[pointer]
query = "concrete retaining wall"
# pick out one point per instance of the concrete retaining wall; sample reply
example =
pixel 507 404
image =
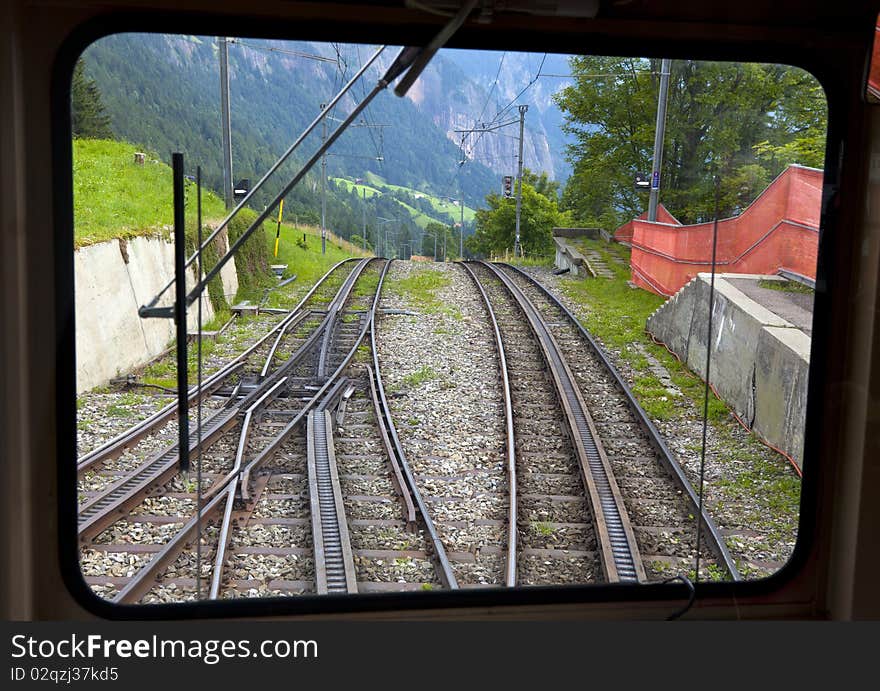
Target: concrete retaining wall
pixel 568 257
pixel 591 233
pixel 112 280
pixel 760 362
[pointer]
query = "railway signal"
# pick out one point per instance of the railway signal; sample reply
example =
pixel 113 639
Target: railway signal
pixel 242 187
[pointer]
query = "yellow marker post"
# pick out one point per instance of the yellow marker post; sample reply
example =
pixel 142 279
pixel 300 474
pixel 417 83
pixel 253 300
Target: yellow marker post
pixel 278 230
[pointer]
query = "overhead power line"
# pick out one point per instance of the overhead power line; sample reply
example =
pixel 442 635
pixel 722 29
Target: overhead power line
pixel 285 51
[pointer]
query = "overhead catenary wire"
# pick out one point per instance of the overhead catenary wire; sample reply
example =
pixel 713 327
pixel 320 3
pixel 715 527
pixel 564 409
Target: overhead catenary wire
pixel 150 309
pixel 284 51
pixel 705 420
pixel 498 115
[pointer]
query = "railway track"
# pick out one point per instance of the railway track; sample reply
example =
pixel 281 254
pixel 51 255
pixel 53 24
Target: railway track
pixel 556 526
pixel 227 376
pixel 136 485
pixel 654 489
pixel 253 523
pixel 307 489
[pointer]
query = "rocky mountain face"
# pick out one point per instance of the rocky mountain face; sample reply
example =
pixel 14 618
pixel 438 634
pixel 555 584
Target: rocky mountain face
pixel 163 92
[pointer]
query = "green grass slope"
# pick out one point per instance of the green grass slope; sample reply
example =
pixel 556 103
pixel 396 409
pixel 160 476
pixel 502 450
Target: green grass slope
pixel 441 206
pixel 113 197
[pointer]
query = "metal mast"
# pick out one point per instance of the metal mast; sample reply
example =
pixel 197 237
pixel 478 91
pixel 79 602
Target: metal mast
pixel 323 186
pixel 517 246
pixel 225 123
pixel 461 230
pixel 659 133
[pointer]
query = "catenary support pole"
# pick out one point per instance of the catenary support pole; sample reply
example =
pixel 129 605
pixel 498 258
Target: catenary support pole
pixel 180 311
pixel 225 123
pixel 659 134
pixel 461 230
pixel 517 246
pixel 323 186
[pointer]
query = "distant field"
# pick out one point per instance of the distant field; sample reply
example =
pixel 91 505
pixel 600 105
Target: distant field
pixel 113 197
pixel 441 206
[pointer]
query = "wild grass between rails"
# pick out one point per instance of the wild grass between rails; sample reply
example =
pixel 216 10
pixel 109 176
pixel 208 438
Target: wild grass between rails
pixel 420 289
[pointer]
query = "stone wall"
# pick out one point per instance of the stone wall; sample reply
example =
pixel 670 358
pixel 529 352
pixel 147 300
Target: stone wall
pixel 112 280
pixel 760 362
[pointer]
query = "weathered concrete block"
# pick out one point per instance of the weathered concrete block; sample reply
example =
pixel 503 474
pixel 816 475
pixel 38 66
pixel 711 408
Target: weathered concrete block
pixel 112 280
pixel 568 257
pixel 591 233
pixel 781 376
pixel 760 362
pixel 737 322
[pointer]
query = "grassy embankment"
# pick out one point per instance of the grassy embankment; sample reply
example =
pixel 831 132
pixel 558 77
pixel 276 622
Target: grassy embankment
pixel 114 198
pixel 616 313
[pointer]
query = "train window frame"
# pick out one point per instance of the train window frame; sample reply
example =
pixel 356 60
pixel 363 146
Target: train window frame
pixel 660 597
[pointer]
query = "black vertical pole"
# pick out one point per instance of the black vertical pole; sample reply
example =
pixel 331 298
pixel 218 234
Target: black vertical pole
pixel 180 310
pixel 199 398
pixel 717 181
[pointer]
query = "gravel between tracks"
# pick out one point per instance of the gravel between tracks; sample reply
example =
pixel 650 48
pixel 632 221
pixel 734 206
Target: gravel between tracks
pixel 441 373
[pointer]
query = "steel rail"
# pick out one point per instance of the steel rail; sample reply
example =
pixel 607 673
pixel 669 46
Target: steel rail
pixel 223 540
pixel 116 446
pixel 716 541
pixel 321 331
pixel 331 320
pixel 270 356
pixel 510 440
pixel 288 429
pixel 618 548
pixel 334 563
pixel 409 509
pixel 143 580
pixel 102 510
pixel 441 560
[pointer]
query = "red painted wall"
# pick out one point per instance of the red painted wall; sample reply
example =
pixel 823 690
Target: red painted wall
pixel 779 230
pixel 625 232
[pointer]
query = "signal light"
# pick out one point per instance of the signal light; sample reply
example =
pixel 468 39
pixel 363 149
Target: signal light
pixel 508 185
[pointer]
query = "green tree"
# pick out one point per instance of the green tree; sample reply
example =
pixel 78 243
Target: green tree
pixel 89 121
pixel 802 118
pixel 739 121
pixel 539 214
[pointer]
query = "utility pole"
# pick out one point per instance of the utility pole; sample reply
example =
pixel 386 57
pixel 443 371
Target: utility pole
pixel 365 218
pixel 435 245
pixel 659 133
pixel 323 186
pixel 517 247
pixel 461 231
pixel 225 123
